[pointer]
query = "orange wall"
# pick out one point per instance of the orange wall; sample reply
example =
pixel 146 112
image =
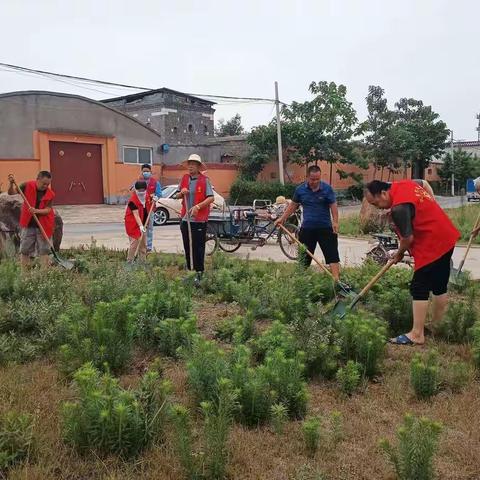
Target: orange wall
pixel 23 169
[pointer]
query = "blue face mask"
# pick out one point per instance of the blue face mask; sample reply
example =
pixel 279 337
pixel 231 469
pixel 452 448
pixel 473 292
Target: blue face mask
pixel 147 175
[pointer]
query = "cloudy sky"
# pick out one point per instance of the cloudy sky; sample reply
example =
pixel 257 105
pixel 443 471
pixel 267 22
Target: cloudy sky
pixel 426 49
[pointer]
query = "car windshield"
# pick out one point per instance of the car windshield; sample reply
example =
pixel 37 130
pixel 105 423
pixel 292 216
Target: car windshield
pixel 167 191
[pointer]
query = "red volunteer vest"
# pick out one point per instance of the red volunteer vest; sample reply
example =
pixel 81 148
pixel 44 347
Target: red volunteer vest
pixel 131 226
pixel 46 221
pixel 200 196
pixel 433 232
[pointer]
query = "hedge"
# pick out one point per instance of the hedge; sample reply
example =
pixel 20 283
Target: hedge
pixel 244 192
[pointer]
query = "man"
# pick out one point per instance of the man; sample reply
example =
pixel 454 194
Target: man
pixel 476 182
pixel 136 215
pixel 197 196
pixel 320 218
pixel 430 236
pixel 40 197
pixel 154 189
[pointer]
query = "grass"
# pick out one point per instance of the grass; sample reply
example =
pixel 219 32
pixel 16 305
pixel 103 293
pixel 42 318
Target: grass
pixel 464 219
pixel 37 387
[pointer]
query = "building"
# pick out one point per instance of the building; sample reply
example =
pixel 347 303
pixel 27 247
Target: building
pixel 177 117
pixel 92 150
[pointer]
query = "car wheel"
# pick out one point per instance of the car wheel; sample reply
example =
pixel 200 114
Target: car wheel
pixel 160 217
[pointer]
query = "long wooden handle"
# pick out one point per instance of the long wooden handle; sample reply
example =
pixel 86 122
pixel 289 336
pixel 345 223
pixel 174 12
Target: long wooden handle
pixel 470 241
pixel 27 203
pixel 311 255
pixel 143 233
pixel 372 282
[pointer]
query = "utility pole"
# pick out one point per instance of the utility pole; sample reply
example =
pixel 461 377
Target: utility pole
pixel 478 128
pixel 453 163
pixel 279 137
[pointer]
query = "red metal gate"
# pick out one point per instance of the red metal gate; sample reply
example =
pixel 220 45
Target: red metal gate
pixel 76 173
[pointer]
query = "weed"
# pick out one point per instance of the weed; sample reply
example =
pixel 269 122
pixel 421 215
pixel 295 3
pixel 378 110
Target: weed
pixel 349 377
pixel 109 419
pixel 417 441
pixel 307 472
pixel 456 376
pixel 424 374
pixel 16 437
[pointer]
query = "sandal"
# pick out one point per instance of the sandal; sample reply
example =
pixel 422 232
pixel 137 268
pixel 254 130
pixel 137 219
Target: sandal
pixel 403 340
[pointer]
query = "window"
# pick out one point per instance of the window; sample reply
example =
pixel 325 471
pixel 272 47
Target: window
pixel 205 129
pixel 429 171
pixel 137 155
pixel 190 128
pixel 175 130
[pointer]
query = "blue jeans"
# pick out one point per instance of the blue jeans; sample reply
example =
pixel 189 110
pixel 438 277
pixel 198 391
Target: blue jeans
pixel 150 234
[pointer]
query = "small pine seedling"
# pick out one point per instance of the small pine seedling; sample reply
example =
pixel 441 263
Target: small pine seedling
pixel 349 377
pixel 311 434
pixel 424 375
pixel 279 415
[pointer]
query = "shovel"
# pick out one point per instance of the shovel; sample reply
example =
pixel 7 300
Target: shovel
pixel 341 308
pixel 66 264
pixel 456 273
pixel 345 289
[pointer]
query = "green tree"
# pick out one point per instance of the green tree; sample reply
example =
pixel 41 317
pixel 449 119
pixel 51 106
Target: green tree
pixel 418 134
pixel 230 127
pixel 465 165
pixel 323 128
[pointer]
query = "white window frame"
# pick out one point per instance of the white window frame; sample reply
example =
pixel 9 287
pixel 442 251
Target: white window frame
pixel 137 148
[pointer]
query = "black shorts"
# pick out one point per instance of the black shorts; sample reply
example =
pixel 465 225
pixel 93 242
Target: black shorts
pixel 431 278
pixel 327 240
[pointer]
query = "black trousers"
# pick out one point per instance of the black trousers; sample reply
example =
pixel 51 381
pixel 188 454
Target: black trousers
pixel 327 240
pixel 199 238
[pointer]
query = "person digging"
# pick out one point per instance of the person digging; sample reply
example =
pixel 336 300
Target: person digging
pixel 196 193
pixel 429 235
pixel 136 216
pixel 38 193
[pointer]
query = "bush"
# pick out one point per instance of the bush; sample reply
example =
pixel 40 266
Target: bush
pixel 105 338
pixel 16 437
pixel 417 445
pixel 311 435
pixel 424 375
pixel 109 419
pixel 457 322
pixel 363 340
pixel 174 333
pixel 276 336
pixel 206 365
pixel 349 377
pixel 244 192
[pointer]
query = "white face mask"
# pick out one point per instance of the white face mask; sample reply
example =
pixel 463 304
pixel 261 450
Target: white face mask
pixel 141 196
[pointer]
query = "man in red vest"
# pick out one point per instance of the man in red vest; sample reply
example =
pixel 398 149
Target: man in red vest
pixel 430 236
pixel 197 195
pixel 136 215
pixel 40 197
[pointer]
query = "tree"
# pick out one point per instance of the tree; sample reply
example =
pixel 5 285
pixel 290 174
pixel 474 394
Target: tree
pixel 320 129
pixel 465 165
pixel 231 127
pixel 419 134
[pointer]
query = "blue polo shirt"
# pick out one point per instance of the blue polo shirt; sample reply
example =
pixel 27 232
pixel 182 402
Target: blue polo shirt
pixel 316 205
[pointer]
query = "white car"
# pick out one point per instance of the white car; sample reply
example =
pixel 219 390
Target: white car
pixel 168 208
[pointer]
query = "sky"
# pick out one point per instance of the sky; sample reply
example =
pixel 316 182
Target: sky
pixel 425 49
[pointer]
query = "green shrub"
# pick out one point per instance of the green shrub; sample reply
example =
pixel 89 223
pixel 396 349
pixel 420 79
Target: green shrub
pixel 417 445
pixel 206 365
pixel 173 333
pixel 16 437
pixel 277 335
pixel 285 378
pixel 311 435
pixel 238 329
pixel 244 192
pixel 349 377
pixel 424 374
pixel 395 307
pixel 457 322
pixel 456 376
pixel 336 428
pixel 218 417
pixel 476 343
pixel 363 340
pixel 105 338
pixel 279 417
pixel 9 273
pixel 109 419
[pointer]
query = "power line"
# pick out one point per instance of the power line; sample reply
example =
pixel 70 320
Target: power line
pixel 45 73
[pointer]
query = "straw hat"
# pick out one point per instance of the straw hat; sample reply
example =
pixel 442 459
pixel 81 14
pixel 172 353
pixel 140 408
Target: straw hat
pixel 197 159
pixel 280 199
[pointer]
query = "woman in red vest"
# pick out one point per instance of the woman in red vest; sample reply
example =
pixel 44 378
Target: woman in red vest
pixel 426 231
pixel 136 215
pixel 197 195
pixel 40 197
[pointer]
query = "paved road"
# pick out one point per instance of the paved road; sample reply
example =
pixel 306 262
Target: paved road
pixel 167 239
